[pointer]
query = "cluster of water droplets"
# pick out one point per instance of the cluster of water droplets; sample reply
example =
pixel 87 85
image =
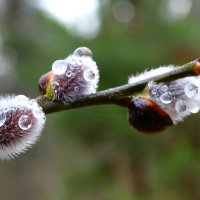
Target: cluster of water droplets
pixel 21 123
pixel 71 64
pixel 74 76
pixel 179 98
pixel 161 92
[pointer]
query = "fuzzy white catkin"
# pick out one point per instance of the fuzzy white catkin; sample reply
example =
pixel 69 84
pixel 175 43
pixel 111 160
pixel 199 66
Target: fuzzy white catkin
pixel 21 123
pixel 151 73
pixel 179 98
pixel 74 76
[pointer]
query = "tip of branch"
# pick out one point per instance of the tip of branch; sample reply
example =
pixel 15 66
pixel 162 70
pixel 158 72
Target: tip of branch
pixel 197 67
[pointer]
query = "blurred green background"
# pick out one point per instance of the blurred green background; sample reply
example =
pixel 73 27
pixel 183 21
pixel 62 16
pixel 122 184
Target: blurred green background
pixel 93 153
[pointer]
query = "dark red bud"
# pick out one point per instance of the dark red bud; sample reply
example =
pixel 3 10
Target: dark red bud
pixel 44 82
pixel 147 117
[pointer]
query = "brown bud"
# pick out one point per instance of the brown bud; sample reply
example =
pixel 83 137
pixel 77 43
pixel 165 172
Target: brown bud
pixel 197 66
pixel 44 82
pixel 147 117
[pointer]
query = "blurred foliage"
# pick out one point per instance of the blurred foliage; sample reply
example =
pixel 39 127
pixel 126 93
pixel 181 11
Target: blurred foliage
pixel 93 153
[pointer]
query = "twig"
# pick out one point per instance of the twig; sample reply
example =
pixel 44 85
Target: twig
pixel 120 95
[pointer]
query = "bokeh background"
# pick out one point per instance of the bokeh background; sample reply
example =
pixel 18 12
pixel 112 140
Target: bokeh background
pixel 93 153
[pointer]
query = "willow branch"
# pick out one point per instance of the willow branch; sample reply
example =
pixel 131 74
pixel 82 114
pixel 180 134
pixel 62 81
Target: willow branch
pixel 122 94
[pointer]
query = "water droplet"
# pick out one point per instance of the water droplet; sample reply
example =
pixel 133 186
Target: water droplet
pixel 166 98
pixel 36 109
pixel 180 106
pixel 69 73
pixel 83 51
pixel 164 88
pixel 154 89
pixel 195 109
pixel 21 98
pixel 191 90
pixel 2 118
pixel 54 85
pixel 76 88
pixel 59 67
pixel 88 75
pixel 25 122
pixel 31 104
pixel 38 113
